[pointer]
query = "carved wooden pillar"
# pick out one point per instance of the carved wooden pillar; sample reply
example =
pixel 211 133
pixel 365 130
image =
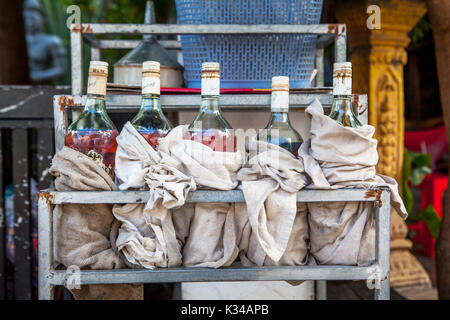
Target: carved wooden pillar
pixel 378 57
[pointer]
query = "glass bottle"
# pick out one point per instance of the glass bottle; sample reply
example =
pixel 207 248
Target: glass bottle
pixel 210 127
pixel 342 110
pixel 279 130
pixel 150 121
pixel 93 133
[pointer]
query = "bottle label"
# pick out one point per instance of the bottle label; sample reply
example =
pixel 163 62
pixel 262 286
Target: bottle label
pixel 210 86
pixel 279 101
pixel 97 83
pixel 151 85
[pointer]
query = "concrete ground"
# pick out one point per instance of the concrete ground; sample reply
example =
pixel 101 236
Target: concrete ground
pixel 357 290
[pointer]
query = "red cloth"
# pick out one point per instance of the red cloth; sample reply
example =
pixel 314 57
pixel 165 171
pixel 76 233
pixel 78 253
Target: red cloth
pixel 434 142
pixel 433 187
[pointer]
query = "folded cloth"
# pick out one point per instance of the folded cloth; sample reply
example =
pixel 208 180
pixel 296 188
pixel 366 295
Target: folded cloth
pixel 342 157
pixel 147 236
pixel 153 236
pixel 82 232
pixel 270 228
pixel 210 240
pixel 209 168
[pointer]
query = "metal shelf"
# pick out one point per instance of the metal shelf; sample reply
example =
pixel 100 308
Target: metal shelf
pixel 49 277
pixel 377 272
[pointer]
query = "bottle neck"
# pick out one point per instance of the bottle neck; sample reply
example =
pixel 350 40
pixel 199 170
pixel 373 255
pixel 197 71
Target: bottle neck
pixel 279 117
pixel 151 103
pixel 95 104
pixel 342 111
pixel 342 103
pixel 210 104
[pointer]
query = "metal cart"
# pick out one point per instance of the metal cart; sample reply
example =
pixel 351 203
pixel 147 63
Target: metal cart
pixel 377 274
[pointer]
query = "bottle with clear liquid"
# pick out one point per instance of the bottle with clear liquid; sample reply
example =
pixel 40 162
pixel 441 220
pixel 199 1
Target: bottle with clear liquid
pixel 210 126
pixel 150 121
pixel 93 133
pixel 342 108
pixel 279 130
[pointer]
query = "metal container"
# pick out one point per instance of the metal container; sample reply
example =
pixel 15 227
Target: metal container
pixel 128 70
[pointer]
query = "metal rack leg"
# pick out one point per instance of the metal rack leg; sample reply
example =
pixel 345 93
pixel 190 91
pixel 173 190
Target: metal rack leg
pixel 321 290
pixel 45 234
pixel 384 292
pixel 382 245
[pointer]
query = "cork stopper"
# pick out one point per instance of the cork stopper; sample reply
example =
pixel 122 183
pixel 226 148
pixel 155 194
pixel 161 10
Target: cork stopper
pixel 280 94
pixel 98 77
pixel 151 82
pixel 342 78
pixel 210 78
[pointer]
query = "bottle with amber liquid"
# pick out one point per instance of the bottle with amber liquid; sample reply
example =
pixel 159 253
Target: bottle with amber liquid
pixel 279 130
pixel 93 133
pixel 150 121
pixel 210 126
pixel 342 109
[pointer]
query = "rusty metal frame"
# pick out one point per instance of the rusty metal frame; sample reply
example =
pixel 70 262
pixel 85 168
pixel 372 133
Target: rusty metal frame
pixel 377 274
pixel 80 33
pixel 65 104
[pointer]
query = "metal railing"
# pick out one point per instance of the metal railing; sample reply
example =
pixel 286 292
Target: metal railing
pixel 26 149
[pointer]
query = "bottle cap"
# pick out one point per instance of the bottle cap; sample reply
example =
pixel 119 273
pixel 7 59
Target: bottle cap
pixel 210 78
pixel 280 84
pixel 280 94
pixel 150 68
pixel 210 67
pixel 98 68
pixel 342 78
pixel 98 77
pixel 151 83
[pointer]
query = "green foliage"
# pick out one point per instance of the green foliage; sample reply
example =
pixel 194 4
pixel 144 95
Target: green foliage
pixel 100 11
pixel 419 31
pixel 119 11
pixel 416 166
pixel 431 219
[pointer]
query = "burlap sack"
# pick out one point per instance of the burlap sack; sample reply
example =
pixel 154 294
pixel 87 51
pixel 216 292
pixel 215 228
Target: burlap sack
pixel 342 157
pixel 271 228
pixel 147 237
pixel 211 239
pixel 82 232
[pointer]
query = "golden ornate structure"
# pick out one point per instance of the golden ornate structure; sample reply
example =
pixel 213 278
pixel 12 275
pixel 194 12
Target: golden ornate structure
pixel 378 57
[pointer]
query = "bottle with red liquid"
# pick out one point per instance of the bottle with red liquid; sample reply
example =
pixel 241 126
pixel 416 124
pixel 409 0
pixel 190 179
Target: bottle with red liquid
pixel 279 130
pixel 210 126
pixel 93 133
pixel 150 121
